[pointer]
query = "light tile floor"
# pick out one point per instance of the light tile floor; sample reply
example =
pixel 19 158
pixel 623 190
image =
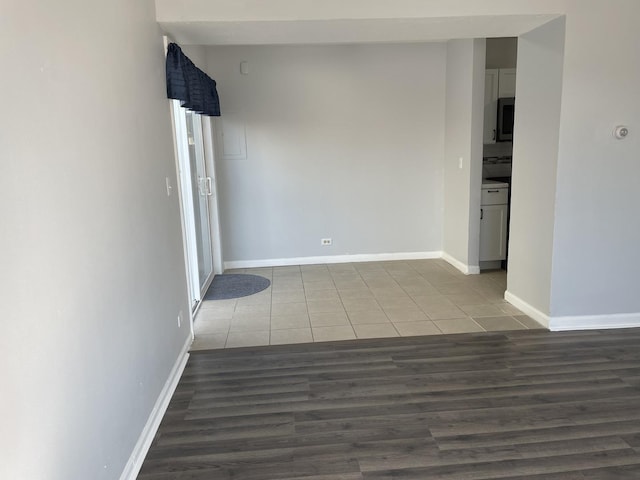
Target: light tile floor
pixel 316 303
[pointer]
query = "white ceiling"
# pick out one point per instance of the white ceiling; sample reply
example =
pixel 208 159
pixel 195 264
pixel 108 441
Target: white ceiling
pixel 386 30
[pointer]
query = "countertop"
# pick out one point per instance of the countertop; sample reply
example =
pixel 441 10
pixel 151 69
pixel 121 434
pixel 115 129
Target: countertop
pixel 494 184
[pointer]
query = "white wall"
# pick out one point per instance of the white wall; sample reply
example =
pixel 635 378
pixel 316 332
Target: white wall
pixel 597 224
pixel 342 141
pixel 292 10
pixel 535 159
pixel 91 251
pixel 463 140
pixel 196 53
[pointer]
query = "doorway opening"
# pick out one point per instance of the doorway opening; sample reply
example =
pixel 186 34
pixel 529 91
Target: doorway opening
pixel 497 153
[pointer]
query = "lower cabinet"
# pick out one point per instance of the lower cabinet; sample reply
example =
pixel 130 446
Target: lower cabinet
pixel 493 232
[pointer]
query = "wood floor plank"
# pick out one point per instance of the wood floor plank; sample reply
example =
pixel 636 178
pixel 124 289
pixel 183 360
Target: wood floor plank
pixel 537 435
pixel 527 405
pixel 543 450
pixel 498 469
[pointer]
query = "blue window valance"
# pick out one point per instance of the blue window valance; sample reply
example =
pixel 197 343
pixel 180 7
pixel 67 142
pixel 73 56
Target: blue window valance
pixel 185 82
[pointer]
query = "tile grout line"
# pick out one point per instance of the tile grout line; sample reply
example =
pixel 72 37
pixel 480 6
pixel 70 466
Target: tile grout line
pixel 270 305
pixel 306 300
pixel 346 314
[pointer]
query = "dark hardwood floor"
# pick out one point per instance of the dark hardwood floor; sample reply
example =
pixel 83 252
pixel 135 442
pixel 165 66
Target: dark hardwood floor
pixel 521 405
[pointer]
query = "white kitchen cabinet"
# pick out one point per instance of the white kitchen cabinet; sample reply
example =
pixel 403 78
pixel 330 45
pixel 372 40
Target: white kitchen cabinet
pixel 498 83
pixel 507 82
pixel 493 222
pixel 493 233
pixel 490 105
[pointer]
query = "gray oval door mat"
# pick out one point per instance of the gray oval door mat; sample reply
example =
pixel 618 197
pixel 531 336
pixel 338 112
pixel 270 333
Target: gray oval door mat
pixel 235 285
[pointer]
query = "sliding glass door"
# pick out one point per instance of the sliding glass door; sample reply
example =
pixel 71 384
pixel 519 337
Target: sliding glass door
pixel 200 191
pixel 195 188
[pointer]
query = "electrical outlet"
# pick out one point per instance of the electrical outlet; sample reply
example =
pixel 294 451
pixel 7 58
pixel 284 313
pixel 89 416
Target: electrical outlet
pixel 179 318
pixel 326 242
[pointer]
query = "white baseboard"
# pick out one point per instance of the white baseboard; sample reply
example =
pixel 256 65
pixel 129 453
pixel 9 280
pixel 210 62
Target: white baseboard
pixel 575 322
pixel 463 267
pixel 373 257
pixel 534 313
pixel 134 464
pixel 594 322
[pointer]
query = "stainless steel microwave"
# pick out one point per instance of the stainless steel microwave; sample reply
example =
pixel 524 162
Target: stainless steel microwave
pixel 506 109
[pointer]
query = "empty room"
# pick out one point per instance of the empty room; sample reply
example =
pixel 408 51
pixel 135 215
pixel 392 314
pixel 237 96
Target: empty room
pixel 287 240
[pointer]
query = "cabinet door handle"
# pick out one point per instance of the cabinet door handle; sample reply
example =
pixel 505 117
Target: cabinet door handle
pixel 494 133
pixel 493 191
pixel 481 213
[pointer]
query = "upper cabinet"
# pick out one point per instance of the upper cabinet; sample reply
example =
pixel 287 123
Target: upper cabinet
pixel 507 82
pixel 498 83
pixel 490 105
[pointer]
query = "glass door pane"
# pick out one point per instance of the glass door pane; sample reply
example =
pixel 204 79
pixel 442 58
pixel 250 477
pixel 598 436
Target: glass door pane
pixel 200 192
pixel 195 191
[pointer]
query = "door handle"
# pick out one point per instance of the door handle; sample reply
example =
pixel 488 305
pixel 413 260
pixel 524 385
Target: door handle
pixel 209 187
pixel 494 133
pixel 481 213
